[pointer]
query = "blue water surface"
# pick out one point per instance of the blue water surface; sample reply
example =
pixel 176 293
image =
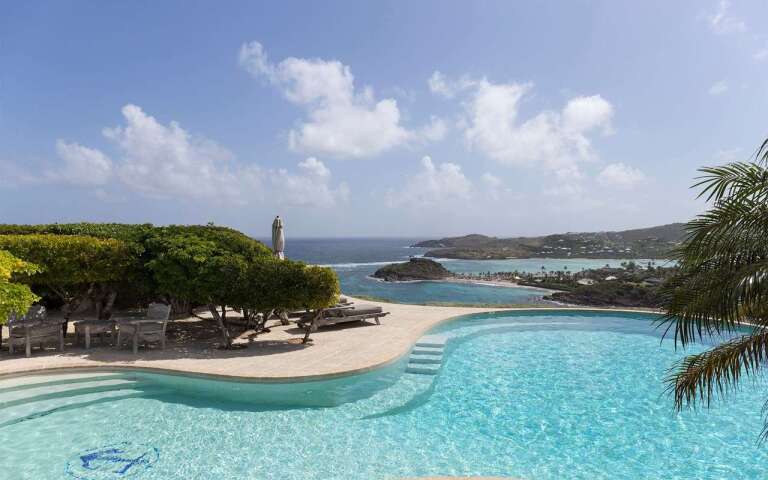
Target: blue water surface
pixel 537 396
pixel 355 260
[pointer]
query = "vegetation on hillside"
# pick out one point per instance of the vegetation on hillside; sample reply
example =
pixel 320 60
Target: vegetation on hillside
pixel 722 286
pixel 633 286
pixel 654 242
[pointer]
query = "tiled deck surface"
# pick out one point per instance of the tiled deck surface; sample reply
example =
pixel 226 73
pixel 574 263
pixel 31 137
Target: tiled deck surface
pixel 276 356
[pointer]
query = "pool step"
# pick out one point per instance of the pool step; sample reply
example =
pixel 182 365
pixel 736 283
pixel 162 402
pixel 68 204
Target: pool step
pixel 426 358
pixel 427 351
pixel 437 341
pixel 30 411
pixel 36 381
pixel 410 391
pixel 35 396
pixel 427 355
pixel 423 369
pixel 42 391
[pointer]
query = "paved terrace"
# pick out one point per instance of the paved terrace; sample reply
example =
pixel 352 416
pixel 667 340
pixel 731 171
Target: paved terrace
pixel 277 356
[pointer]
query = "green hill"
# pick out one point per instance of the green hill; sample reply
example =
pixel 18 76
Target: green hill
pixel 653 242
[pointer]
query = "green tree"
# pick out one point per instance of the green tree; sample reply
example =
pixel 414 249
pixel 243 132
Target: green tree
pixel 722 284
pixel 14 297
pixel 225 271
pixel 74 268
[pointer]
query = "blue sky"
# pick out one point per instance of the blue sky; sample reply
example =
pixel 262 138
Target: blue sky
pixel 375 118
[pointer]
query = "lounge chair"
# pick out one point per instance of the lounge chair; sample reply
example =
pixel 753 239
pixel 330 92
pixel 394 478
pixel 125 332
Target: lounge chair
pixel 150 328
pixel 344 314
pixel 34 327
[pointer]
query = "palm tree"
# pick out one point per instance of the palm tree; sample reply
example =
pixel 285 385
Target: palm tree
pixel 722 287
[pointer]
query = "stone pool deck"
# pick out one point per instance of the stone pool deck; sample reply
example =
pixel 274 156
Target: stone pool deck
pixel 277 356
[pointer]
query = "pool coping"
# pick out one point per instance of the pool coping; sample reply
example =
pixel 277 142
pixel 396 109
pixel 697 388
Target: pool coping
pixel 57 364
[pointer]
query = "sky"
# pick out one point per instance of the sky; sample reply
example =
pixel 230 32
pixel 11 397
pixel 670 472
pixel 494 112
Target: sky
pixel 415 119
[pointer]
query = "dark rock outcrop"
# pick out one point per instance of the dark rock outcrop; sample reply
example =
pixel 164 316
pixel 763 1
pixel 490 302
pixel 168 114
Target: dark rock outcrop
pixel 414 269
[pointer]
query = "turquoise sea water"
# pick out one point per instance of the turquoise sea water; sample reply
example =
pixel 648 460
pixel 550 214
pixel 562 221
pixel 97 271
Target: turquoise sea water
pixel 534 396
pixel 356 259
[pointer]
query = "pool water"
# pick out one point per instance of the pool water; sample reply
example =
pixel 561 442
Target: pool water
pixel 533 396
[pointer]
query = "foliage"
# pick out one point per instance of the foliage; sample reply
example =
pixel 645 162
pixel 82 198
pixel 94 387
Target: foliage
pixel 219 268
pixel 286 285
pixel 71 265
pixel 722 287
pixel 197 264
pixel 14 297
pixel 189 265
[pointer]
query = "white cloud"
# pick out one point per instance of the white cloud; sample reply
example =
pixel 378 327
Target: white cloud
pixel 310 187
pixel 315 168
pixel 491 180
pixel 555 140
pixel 441 85
pixel 721 21
pixel 164 161
pixel 341 121
pixel 492 185
pixel 620 175
pixel 760 55
pixel 80 166
pixel 433 184
pixel 438 84
pixel 584 114
pixel 718 88
pixel 435 130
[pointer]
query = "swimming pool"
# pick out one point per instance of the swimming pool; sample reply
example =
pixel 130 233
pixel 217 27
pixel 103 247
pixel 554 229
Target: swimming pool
pixel 528 395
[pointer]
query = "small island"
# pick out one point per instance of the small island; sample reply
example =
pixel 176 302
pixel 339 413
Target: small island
pixel 413 269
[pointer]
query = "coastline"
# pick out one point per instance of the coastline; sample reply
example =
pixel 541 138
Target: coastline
pixel 487 283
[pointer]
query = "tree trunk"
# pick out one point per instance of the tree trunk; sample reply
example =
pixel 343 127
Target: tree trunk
pixel 221 320
pixel 108 305
pixel 311 327
pixel 180 306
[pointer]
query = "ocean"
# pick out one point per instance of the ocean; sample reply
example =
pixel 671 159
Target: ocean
pixel 355 259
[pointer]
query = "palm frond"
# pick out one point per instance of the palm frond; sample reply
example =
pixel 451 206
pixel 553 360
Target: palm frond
pixel 699 378
pixel 723 279
pixel 736 180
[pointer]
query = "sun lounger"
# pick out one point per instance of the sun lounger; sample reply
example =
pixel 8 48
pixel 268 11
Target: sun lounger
pixel 345 314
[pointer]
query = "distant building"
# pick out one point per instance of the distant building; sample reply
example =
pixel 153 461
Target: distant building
pixel 610 278
pixel 585 281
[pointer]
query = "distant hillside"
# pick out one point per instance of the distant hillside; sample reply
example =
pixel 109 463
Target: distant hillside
pixel 653 242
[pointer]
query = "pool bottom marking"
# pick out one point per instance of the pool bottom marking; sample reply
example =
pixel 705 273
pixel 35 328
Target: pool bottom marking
pixel 120 460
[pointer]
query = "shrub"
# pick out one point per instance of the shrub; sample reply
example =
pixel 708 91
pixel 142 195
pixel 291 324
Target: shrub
pixel 14 297
pixel 75 268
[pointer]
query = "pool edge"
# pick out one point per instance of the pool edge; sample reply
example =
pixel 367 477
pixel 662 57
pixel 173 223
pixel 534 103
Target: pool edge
pixel 63 369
